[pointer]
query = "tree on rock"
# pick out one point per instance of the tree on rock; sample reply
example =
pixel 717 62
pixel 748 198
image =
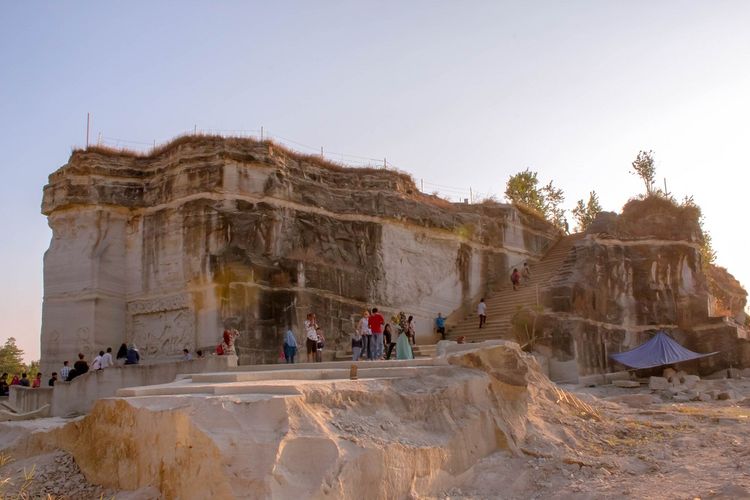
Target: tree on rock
pixel 11 357
pixel 585 213
pixel 643 167
pixel 522 189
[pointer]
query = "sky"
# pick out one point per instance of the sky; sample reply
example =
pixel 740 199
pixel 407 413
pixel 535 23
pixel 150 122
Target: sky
pixel 459 94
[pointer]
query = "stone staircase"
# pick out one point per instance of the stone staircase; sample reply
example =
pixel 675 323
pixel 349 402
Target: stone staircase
pixel 503 303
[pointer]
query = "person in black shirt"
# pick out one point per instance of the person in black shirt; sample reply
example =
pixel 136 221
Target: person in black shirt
pixel 79 367
pixel 52 381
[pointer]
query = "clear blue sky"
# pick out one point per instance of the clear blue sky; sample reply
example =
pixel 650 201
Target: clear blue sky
pixel 460 94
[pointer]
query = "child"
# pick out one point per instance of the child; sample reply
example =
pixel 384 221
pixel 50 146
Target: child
pixel 321 344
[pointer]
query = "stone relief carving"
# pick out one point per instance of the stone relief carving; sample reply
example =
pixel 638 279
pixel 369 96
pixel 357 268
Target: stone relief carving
pixel 168 303
pixel 162 326
pixel 163 333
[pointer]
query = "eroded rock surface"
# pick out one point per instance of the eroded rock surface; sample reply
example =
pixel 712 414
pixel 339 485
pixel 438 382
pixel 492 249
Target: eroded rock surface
pixel 382 437
pixel 167 250
pixel 634 274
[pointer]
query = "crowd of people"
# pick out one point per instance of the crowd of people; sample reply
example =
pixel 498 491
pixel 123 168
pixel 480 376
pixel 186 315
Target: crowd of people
pixel 373 338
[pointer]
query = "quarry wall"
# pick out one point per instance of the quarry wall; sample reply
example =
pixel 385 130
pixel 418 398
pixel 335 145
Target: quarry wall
pixel 634 274
pixel 211 233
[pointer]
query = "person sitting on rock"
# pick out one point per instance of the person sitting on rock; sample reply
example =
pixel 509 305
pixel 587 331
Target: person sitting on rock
pixel 122 353
pixel 186 356
pixel 133 357
pixel 79 367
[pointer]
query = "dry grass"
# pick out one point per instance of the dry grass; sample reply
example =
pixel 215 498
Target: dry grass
pixel 246 142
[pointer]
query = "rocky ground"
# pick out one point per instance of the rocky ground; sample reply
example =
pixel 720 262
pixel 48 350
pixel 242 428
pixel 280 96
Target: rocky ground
pixel 645 448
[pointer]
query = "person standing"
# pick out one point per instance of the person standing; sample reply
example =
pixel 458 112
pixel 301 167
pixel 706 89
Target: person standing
pixel 321 344
pixel 376 322
pixel 356 344
pixel 52 381
pixel 482 312
pixel 24 382
pixel 37 382
pixel 388 339
pixel 311 337
pixel 4 390
pixel 411 331
pixel 290 346
pixel 515 278
pixel 403 349
pixel 65 371
pixel 364 330
pixel 526 272
pixel 440 325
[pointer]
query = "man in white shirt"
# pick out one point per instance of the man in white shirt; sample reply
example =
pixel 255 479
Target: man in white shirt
pixel 97 364
pixel 482 312
pixel 107 360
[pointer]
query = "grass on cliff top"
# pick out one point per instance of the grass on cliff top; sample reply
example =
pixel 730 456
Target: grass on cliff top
pixel 212 139
pixel 315 160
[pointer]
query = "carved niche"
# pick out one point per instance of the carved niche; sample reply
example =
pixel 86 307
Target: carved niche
pixel 162 326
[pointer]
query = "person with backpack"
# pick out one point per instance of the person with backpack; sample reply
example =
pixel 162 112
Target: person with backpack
pixel 290 346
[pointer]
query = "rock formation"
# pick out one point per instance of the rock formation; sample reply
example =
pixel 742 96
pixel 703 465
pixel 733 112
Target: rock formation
pixel 410 433
pixel 638 272
pixel 168 249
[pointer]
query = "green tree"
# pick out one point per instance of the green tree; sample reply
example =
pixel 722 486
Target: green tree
pixel 11 358
pixel 585 213
pixel 707 249
pixel 643 167
pixel 523 189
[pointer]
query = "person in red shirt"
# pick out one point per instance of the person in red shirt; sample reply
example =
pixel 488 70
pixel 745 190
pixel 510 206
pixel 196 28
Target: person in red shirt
pixel 376 322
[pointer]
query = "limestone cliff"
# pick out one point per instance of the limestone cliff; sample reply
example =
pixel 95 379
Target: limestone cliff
pixel 167 249
pixel 638 272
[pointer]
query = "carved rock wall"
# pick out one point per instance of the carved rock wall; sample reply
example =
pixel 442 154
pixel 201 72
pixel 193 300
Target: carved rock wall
pixel 625 280
pixel 208 233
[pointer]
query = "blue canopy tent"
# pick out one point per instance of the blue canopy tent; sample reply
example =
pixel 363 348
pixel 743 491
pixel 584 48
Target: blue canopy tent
pixel 660 350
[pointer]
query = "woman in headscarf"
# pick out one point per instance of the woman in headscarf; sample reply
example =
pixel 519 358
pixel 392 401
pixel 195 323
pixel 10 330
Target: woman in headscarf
pixel 122 353
pixel 290 346
pixel 403 349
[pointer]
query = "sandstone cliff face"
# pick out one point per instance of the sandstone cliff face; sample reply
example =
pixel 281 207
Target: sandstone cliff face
pixel 634 274
pixel 167 250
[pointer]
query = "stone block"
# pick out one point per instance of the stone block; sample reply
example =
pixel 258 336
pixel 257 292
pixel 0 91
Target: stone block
pixel 704 396
pixel 691 381
pixel 681 398
pixel 724 395
pixel 658 383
